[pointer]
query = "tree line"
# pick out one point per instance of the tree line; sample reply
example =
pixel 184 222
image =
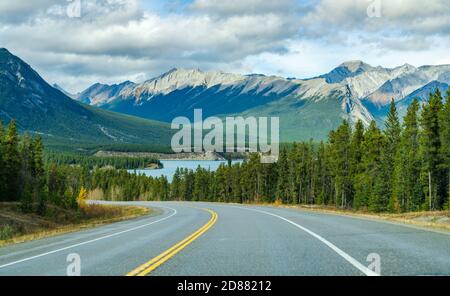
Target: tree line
pixel 403 167
pixel 91 162
pixel 400 168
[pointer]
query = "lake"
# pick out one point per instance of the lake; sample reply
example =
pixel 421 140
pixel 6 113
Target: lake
pixel 170 167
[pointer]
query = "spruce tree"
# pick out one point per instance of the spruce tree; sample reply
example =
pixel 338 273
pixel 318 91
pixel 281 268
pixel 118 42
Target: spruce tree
pixel 12 163
pixel 445 143
pixel 2 164
pixel 356 152
pixel 407 190
pixel 365 182
pixel 392 132
pixel 341 160
pixel 39 176
pixel 26 173
pixel 430 150
pixel 283 177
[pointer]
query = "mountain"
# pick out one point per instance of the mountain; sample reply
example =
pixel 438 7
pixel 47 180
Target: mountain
pixel 307 107
pixel 346 70
pixel 421 94
pixel 42 109
pixel 100 94
pixel 58 87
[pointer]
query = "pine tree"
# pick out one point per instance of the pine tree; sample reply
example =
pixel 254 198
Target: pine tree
pixel 26 177
pixel 283 177
pixel 2 164
pixel 407 190
pixel 12 163
pixel 430 148
pixel 392 132
pixel 176 185
pixel 39 176
pixel 445 143
pixel 356 152
pixel 341 159
pixel 365 182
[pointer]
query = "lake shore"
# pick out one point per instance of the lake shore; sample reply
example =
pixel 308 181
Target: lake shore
pixel 211 156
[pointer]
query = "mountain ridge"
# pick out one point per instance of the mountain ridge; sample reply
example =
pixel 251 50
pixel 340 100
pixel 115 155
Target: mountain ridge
pixel 360 92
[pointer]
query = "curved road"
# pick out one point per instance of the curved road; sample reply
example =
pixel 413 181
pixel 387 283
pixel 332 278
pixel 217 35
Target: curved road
pixel 185 239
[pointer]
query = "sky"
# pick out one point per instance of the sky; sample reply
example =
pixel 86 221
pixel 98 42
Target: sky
pixel 76 43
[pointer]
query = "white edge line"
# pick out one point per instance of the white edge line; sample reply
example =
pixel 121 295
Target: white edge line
pixel 341 253
pixel 90 241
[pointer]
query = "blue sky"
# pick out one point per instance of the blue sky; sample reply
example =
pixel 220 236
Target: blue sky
pixel 116 40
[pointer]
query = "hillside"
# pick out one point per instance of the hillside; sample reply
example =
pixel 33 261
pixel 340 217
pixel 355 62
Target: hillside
pixel 42 109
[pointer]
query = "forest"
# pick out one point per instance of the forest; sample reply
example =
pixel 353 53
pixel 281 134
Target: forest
pixel 401 167
pixel 91 162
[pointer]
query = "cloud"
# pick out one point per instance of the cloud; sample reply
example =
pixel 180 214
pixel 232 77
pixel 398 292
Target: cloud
pixel 239 7
pixel 401 16
pixel 131 39
pixel 19 11
pixel 116 35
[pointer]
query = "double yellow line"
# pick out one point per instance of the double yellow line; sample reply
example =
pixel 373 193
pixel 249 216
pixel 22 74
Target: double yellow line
pixel 151 265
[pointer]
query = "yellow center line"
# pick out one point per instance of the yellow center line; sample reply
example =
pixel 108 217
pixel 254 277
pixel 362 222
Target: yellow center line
pixel 154 263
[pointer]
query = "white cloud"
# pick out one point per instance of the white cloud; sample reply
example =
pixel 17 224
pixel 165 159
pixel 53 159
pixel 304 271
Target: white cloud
pixel 115 40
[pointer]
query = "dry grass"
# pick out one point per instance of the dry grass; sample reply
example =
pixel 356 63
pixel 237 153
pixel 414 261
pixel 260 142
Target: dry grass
pixel 17 227
pixel 435 219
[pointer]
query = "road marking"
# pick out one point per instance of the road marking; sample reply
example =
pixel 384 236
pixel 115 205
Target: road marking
pixel 154 263
pixel 341 253
pixel 90 241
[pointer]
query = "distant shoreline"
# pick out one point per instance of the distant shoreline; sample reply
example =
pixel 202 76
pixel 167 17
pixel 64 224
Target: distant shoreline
pixel 207 156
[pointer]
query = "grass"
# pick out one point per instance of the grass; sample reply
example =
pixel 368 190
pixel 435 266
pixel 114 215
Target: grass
pixel 18 227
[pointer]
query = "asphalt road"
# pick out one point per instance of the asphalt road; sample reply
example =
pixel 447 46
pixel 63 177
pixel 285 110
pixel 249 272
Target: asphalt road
pixel 186 239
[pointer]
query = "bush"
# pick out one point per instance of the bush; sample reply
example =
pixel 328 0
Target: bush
pixel 6 232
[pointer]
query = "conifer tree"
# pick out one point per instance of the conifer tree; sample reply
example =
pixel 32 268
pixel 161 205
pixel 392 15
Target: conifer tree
pixel 283 177
pixel 39 175
pixel 12 163
pixel 356 152
pixel 341 159
pixel 407 190
pixel 445 143
pixel 2 164
pixel 430 150
pixel 392 132
pixel 365 190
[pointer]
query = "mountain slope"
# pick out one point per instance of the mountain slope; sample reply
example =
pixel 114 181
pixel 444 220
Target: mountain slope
pixel 422 94
pixel 306 107
pixel 41 109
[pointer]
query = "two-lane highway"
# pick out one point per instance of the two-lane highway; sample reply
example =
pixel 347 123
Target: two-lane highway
pixel 221 239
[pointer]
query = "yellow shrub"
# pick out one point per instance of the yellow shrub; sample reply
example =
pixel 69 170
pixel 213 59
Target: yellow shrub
pixel 82 197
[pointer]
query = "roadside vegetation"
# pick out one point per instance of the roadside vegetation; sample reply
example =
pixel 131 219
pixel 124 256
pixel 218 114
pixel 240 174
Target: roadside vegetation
pixel 17 226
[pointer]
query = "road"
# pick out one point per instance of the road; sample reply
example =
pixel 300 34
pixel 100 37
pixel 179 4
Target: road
pixel 219 239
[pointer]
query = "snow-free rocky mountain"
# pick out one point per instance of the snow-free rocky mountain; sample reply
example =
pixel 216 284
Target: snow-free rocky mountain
pixel 306 107
pixel 42 109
